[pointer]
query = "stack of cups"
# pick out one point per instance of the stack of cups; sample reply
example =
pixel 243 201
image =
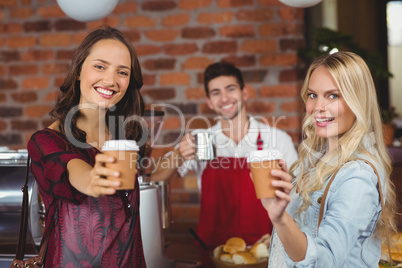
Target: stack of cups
pixel 261 163
pixel 125 152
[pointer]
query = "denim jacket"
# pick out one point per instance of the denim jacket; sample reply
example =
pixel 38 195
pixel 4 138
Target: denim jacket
pixel 345 237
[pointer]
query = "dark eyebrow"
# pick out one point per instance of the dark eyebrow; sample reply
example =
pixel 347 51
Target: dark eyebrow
pixel 108 63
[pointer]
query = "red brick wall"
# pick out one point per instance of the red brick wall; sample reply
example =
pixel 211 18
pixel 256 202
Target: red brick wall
pixel 175 41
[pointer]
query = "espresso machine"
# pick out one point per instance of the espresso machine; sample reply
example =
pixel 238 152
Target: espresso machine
pixel 154 202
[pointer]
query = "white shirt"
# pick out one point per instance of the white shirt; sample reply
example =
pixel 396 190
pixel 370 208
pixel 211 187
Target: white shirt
pixel 273 138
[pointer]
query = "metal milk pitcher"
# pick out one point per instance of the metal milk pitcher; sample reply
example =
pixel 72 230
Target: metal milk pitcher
pixel 205 149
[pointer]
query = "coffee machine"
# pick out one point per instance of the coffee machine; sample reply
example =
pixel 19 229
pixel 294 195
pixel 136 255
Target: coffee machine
pixel 154 198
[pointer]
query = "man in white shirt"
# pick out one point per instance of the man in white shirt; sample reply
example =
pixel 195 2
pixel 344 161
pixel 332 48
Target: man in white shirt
pixel 229 206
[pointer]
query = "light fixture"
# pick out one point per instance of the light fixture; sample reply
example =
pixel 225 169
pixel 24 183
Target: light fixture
pixel 300 3
pixel 87 10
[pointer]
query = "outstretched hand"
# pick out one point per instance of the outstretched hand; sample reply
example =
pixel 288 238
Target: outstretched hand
pixel 98 184
pixel 276 206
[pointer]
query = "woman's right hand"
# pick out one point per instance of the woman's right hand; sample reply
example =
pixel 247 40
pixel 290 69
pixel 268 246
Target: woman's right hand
pixel 98 184
pixel 276 206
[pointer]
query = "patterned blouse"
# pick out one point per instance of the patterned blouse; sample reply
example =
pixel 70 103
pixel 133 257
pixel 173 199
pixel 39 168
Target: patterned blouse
pixel 85 231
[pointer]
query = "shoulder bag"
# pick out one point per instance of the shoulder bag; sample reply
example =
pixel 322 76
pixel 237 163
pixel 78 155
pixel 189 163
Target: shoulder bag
pixel 19 261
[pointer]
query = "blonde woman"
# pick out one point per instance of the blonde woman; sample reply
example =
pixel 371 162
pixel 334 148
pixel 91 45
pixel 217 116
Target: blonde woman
pixel 342 123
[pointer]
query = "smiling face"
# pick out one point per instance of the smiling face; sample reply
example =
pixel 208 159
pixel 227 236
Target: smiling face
pixel 331 115
pixel 105 73
pixel 226 97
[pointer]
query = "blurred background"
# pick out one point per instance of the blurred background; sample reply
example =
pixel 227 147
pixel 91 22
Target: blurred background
pixel 175 40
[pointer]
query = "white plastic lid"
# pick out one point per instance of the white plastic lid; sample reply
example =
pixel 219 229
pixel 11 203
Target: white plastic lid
pixel 264 155
pixel 120 145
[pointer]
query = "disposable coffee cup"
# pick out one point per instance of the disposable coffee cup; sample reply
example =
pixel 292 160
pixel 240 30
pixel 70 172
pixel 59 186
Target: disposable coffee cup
pixel 125 152
pixel 205 149
pixel 261 163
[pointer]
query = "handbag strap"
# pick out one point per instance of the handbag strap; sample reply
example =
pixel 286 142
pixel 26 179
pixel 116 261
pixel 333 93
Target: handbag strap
pixel 324 197
pixel 24 222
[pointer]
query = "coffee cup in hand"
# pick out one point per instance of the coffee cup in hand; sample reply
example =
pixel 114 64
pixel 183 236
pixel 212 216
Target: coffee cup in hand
pixel 125 152
pixel 261 163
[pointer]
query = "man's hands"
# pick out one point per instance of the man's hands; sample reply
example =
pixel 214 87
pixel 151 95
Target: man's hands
pixel 187 147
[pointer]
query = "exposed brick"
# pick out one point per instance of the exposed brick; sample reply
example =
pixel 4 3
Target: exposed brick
pixel 55 40
pixel 171 138
pixel 158 5
pixel 69 25
pixel 279 91
pixel 200 122
pixel 21 41
pixel 187 108
pixel 159 64
pixel 279 29
pixel 26 69
pixel 174 79
pixel 52 96
pixel 290 76
pixel 50 12
pixel 10 139
pixel 64 54
pixel 129 7
pixel 53 68
pixel 176 20
pixel 6 84
pixel 10 112
pixel 293 106
pixel 3 97
pixel 8 3
pixel 35 83
pixel 251 91
pixel 290 13
pixel 180 49
pixel 37 111
pixel 172 123
pixel 234 3
pixel 254 76
pixel 291 44
pixel 162 35
pixel 21 13
pixel 204 109
pixel 278 60
pixel 259 46
pixel 143 50
pixel 149 79
pixel 3 126
pixel 26 2
pixel 197 32
pixel 37 55
pixel 197 63
pixel 269 3
pixel 241 61
pixel 220 47
pixel 112 21
pixel 194 4
pixel 237 31
pixel 160 93
pixel 58 81
pixel 47 122
pixel 133 35
pixel 9 56
pixel 192 212
pixel 195 93
pixel 3 70
pixel 259 107
pixel 10 28
pixel 24 125
pixel 256 15
pixel 213 18
pixel 79 37
pixel 37 26
pixel 140 21
pixel 24 97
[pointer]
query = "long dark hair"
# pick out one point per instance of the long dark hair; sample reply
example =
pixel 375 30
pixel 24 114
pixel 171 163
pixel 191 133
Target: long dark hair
pixel 131 105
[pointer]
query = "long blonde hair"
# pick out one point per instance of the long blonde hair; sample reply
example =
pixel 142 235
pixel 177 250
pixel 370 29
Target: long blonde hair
pixel 356 85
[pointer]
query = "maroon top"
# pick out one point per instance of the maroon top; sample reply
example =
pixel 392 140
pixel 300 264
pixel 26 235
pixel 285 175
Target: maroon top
pixel 87 231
